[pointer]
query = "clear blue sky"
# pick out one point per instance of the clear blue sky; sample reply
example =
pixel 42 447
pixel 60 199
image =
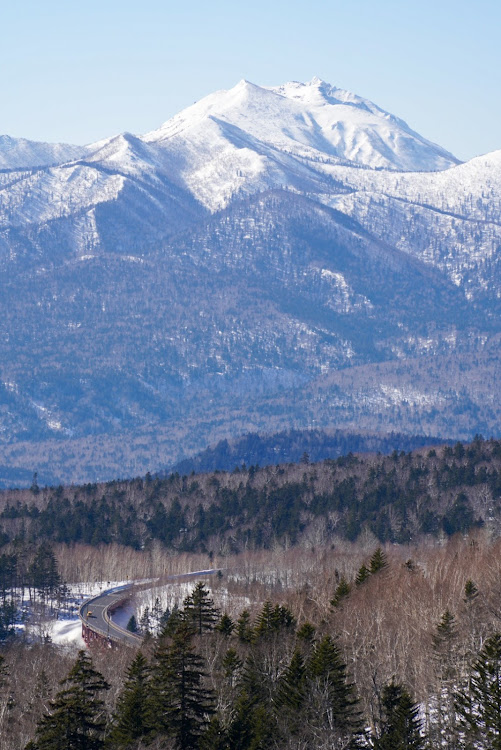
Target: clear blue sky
pixel 79 72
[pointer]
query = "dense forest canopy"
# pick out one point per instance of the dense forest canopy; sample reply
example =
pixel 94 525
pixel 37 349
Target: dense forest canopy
pixel 289 446
pixel 396 498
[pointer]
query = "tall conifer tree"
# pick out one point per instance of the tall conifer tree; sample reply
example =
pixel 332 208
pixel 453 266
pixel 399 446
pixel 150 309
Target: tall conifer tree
pixel 479 705
pixel 199 609
pixel 181 704
pixel 378 561
pixel 400 727
pixel 131 718
pixel 76 719
pixel 334 699
pixel 443 729
pixel 342 591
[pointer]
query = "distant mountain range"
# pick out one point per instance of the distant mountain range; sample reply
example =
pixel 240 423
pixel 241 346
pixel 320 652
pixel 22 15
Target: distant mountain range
pixel 270 258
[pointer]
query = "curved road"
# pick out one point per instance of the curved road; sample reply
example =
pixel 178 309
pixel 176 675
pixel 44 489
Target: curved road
pixel 95 612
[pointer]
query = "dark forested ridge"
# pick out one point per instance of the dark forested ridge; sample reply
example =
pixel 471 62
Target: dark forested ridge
pixel 289 446
pixel 397 498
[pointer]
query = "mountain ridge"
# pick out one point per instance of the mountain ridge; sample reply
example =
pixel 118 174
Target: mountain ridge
pixel 232 270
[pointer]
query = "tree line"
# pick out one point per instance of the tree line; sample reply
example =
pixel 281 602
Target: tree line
pixel 397 498
pixel 31 570
pixel 210 682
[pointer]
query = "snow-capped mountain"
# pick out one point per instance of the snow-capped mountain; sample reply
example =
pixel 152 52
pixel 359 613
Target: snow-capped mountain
pixel 313 120
pixel 19 153
pixel 218 272
pixel 230 144
pixel 252 138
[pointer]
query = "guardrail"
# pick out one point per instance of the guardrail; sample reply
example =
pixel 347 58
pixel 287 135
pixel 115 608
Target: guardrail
pixel 111 632
pixel 107 611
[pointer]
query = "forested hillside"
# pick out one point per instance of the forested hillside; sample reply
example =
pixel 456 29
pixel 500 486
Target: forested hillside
pixel 289 446
pixel 396 498
pixel 359 647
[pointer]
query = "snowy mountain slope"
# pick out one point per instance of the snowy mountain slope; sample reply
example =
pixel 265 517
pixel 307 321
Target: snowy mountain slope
pixel 110 201
pixel 234 137
pixel 324 264
pixel 449 219
pixel 203 274
pixel 230 144
pixel 362 132
pixel 470 190
pixel 19 153
pixel 248 302
pixel 313 119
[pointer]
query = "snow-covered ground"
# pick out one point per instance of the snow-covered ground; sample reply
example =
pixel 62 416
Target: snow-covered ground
pixel 64 632
pixel 64 628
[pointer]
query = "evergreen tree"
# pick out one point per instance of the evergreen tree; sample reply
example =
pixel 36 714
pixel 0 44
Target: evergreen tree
pixel 4 672
pixel 335 703
pixel 5 697
pixel 132 624
pixel 244 627
pixel 443 645
pixel 181 705
pixel 76 719
pixel 443 724
pixel 479 706
pixel 291 695
pixel 306 634
pixel 254 680
pixel 229 685
pixel 252 725
pixel 145 622
pixel 283 617
pixel 378 561
pixel 472 615
pixel 225 626
pixel 265 622
pixel 362 575
pixel 199 609
pixel 156 615
pixel 342 591
pixel 215 737
pixel 164 618
pixel 400 727
pixel 272 619
pixel 8 576
pixel 232 665
pixel 131 718
pixel 470 592
pixel 172 622
pixel 35 489
pixel 8 616
pixel 44 574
